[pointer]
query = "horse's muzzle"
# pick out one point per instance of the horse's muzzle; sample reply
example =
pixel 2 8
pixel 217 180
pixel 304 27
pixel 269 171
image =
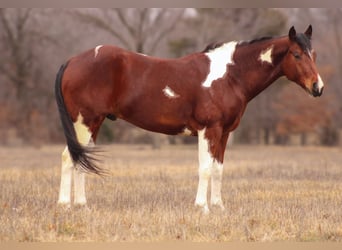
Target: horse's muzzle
pixel 317 90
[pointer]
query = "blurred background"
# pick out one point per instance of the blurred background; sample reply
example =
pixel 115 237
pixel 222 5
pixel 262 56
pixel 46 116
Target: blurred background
pixel 35 42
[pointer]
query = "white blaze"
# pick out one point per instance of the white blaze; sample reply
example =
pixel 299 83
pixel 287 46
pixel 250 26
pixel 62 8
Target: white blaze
pixel 266 55
pixel 320 83
pixel 219 59
pixel 168 92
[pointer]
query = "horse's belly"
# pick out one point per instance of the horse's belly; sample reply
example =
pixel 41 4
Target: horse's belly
pixel 157 113
pixel 159 125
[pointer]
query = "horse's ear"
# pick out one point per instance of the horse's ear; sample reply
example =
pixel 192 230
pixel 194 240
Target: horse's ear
pixel 308 32
pixel 292 34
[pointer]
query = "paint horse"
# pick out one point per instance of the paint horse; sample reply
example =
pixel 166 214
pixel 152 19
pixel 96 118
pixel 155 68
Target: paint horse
pixel 202 94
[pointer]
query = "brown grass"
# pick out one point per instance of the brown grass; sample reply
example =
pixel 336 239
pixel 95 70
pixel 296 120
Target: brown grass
pixel 270 193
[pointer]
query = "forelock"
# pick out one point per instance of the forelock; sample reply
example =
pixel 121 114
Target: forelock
pixel 304 42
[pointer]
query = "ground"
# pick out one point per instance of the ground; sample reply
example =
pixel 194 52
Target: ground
pixel 270 194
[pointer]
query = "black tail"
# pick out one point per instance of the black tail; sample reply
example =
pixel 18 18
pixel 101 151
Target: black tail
pixel 83 156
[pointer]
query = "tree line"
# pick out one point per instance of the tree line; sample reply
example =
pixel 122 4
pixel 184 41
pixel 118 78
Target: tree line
pixel 35 42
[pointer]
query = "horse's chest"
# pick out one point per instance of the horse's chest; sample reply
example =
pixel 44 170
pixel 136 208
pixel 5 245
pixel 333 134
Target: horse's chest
pixel 213 110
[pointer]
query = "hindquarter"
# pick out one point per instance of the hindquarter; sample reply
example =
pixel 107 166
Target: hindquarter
pixel 87 86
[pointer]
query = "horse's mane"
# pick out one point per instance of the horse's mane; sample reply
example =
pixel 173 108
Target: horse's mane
pixel 303 41
pixel 215 45
pixel 257 40
pixel 212 46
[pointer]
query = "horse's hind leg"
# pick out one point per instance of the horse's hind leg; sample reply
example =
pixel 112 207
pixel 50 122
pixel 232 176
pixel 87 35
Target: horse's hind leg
pixel 79 183
pixel 86 135
pixel 68 170
pixel 66 173
pixel 79 187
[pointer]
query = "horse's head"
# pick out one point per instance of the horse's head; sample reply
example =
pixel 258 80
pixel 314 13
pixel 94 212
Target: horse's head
pixel 299 63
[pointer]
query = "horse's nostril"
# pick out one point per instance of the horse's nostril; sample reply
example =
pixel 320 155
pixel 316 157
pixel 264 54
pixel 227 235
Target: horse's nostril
pixel 316 90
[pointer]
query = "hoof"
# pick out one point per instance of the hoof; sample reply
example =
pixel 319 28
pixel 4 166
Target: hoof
pixel 203 208
pixel 64 205
pixel 218 206
pixel 81 206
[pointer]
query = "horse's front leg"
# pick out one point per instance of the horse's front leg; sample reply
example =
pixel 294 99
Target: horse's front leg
pixel 216 184
pixel 217 171
pixel 208 144
pixel 204 171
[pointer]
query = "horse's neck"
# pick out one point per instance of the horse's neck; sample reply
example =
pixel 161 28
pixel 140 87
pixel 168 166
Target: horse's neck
pixel 256 75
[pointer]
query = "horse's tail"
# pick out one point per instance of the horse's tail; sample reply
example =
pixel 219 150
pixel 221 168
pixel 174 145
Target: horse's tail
pixel 81 155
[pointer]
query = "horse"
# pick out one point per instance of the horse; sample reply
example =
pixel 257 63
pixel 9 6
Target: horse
pixel 202 94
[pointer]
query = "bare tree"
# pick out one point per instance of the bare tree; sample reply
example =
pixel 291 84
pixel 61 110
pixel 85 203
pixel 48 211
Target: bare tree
pixel 16 59
pixel 205 26
pixel 139 30
pixel 23 71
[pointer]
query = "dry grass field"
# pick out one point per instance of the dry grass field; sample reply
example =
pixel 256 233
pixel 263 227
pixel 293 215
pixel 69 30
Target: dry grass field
pixel 270 194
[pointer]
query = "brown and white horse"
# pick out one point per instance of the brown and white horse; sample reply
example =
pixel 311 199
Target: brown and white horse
pixel 202 94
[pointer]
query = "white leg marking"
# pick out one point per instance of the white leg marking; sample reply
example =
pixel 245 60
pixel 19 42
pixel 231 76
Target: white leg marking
pixel 205 168
pixel 266 55
pixel 168 92
pixel 79 184
pixel 216 183
pixel 79 187
pixel 97 50
pixel 66 173
pixel 84 137
pixel 219 59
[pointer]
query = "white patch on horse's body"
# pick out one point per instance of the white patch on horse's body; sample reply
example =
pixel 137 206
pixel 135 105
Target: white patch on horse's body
pixel 219 59
pixel 97 49
pixel 266 55
pixel 82 131
pixel 168 92
pixel 186 132
pixel 205 168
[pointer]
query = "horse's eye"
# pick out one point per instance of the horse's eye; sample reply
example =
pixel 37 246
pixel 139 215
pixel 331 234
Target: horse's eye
pixel 296 55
